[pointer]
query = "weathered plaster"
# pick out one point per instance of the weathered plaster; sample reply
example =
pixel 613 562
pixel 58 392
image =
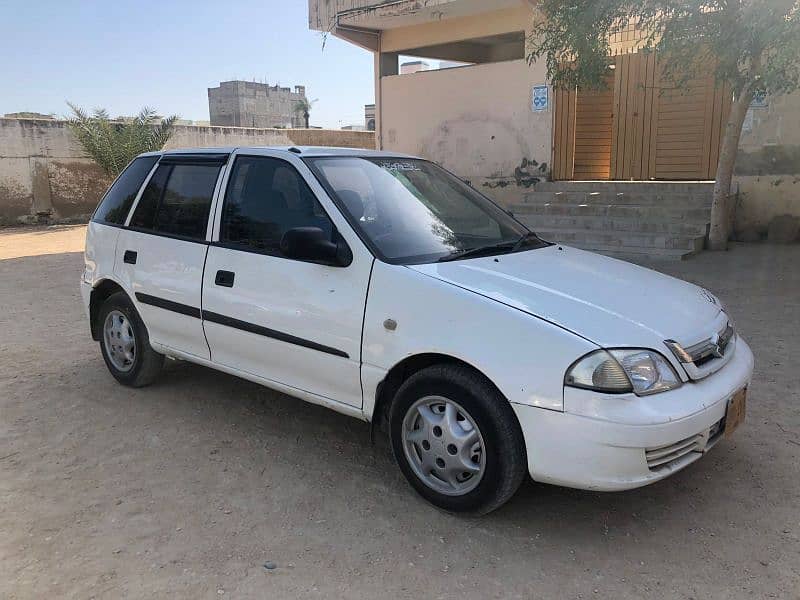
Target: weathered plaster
pixel 767 174
pixel 476 121
pixel 76 186
pixel 43 169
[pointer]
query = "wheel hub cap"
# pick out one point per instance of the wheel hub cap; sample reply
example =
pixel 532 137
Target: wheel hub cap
pixel 120 343
pixel 444 446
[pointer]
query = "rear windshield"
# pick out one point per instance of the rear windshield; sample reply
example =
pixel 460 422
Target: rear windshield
pixel 117 202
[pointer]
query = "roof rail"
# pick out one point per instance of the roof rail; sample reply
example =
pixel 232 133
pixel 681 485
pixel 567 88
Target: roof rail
pixel 295 149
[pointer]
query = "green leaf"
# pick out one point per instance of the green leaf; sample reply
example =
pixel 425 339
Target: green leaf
pixel 113 144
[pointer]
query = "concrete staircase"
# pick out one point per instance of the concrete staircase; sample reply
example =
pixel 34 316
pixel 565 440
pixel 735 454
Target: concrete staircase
pixel 632 220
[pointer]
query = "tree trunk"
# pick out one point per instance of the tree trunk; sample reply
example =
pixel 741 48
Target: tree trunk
pixel 305 116
pixel 720 221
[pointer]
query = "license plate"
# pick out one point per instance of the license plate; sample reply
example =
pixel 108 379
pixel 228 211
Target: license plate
pixel 735 413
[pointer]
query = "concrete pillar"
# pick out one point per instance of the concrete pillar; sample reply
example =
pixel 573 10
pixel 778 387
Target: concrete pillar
pixel 386 63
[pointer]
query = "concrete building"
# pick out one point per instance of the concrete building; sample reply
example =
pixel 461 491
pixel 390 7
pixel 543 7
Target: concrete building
pixel 414 66
pixel 28 115
pixel 251 104
pixel 498 123
pixel 369 117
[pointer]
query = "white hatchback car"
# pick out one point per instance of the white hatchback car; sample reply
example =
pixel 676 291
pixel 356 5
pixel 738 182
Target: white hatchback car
pixel 385 288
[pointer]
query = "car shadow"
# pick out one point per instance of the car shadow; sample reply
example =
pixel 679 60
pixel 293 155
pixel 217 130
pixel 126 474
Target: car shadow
pixel 536 509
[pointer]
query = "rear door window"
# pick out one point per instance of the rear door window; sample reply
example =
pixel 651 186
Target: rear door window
pixel 114 208
pixel 177 200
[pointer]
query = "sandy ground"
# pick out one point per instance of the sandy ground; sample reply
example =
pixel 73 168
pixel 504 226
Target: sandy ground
pixel 185 489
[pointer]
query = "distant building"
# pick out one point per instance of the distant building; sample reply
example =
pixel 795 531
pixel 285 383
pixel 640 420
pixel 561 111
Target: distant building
pixel 414 66
pixel 452 64
pixel 28 115
pixel 251 104
pixel 369 117
pixel 354 127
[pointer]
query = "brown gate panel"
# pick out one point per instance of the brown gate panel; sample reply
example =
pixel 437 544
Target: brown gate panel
pixel 635 105
pixel 647 127
pixel 563 134
pixel 593 117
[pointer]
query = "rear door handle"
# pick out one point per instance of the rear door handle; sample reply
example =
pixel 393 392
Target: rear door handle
pixel 130 257
pixel 225 278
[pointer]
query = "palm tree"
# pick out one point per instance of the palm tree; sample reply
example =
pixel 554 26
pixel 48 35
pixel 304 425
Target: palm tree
pixel 303 107
pixel 115 143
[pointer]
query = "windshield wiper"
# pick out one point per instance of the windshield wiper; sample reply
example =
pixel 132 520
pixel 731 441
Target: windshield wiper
pixel 511 246
pixel 477 251
pixel 526 238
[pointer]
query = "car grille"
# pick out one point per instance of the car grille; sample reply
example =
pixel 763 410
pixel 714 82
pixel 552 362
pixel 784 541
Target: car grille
pixel 707 356
pixel 671 455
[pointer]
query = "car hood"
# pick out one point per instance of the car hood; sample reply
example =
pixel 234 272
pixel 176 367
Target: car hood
pixel 608 301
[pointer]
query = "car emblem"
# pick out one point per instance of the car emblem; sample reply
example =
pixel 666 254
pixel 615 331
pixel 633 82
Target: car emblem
pixel 708 296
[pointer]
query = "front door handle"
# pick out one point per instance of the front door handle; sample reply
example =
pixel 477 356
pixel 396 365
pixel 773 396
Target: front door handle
pixel 224 278
pixel 130 257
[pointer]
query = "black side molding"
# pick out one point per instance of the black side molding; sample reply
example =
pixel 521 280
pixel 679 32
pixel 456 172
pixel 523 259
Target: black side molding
pixel 213 317
pixel 270 333
pixel 177 307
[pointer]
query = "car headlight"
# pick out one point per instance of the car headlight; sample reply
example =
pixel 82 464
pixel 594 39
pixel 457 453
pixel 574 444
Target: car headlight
pixel 635 370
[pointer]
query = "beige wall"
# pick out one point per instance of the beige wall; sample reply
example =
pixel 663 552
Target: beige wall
pixel 43 168
pixel 767 171
pixel 476 121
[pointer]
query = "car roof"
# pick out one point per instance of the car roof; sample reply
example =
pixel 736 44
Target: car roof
pixel 312 151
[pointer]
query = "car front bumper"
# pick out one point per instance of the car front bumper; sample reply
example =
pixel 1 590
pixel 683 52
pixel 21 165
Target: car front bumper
pixel 584 448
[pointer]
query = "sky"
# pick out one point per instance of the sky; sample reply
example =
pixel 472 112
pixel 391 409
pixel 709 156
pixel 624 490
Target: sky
pixel 124 54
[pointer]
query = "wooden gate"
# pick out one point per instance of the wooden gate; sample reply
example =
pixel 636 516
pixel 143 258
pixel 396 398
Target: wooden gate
pixel 643 127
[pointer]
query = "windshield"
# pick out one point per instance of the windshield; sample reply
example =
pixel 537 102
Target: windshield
pixel 413 211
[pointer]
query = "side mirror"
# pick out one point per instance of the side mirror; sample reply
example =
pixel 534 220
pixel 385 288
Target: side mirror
pixel 312 244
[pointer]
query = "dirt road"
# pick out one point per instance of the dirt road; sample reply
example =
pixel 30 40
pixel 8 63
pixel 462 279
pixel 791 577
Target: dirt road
pixel 185 489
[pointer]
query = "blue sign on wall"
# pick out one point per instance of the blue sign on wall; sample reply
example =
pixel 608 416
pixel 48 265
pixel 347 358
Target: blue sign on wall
pixel 539 98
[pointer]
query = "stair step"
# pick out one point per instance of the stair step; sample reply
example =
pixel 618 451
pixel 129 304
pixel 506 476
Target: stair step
pixel 682 199
pixel 627 186
pixel 636 254
pixel 634 211
pixel 623 239
pixel 633 220
pixel 552 222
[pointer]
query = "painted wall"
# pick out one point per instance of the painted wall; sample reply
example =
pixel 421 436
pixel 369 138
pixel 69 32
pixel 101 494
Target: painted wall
pixel 768 164
pixel 477 121
pixel 43 170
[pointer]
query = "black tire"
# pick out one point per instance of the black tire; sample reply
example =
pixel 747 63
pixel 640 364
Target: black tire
pixel 506 462
pixel 147 363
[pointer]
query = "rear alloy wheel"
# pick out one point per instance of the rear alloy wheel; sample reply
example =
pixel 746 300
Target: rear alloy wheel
pixel 125 344
pixel 457 440
pixel 120 343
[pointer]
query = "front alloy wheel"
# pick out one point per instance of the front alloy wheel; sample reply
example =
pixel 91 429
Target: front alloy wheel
pixel 456 439
pixel 443 445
